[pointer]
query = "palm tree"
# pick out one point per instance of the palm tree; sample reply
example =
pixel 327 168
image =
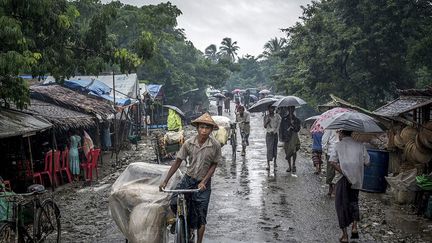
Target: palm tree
pixel 274 46
pixel 228 49
pixel 211 53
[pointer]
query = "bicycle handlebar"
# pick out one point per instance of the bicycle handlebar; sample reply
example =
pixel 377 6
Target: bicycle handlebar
pixel 182 190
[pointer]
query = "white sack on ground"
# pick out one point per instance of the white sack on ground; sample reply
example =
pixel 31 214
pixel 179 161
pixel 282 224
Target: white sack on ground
pixel 137 206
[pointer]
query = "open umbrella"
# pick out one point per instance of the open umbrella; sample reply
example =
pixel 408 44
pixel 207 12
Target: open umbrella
pixel 253 98
pixel 219 95
pixel 317 126
pixel 264 91
pixel 176 109
pixel 352 121
pixel 312 118
pixel 262 105
pixel 289 101
pixel 236 91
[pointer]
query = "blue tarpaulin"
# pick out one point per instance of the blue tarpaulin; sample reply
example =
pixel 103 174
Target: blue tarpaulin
pixel 154 90
pixel 95 87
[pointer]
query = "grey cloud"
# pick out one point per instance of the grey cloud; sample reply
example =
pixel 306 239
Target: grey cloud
pixel 249 22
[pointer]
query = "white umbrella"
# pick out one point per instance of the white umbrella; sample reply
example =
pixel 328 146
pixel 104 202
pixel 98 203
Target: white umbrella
pixel 289 101
pixel 352 121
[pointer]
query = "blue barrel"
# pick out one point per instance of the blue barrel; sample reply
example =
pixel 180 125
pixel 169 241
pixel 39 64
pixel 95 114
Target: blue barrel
pixel 373 180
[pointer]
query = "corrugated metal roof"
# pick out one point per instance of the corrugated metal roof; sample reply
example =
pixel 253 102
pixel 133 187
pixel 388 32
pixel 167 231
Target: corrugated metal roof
pixel 403 104
pixel 15 123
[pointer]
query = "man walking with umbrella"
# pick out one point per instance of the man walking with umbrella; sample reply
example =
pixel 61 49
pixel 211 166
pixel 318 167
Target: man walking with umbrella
pixel 288 132
pixel 348 159
pixel 271 124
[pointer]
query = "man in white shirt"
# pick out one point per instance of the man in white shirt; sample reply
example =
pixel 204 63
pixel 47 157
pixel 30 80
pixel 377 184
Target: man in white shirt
pixel 243 119
pixel 271 124
pixel 349 158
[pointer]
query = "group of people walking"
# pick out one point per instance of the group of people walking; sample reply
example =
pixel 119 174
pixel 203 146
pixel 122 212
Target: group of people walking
pixel 345 161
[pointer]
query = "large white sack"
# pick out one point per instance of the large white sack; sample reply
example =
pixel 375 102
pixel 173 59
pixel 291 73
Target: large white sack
pixel 136 194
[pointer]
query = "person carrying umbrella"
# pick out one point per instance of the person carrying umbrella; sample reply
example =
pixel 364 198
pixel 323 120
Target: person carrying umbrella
pixel 271 124
pixel 243 119
pixel 227 103
pixel 288 133
pixel 348 158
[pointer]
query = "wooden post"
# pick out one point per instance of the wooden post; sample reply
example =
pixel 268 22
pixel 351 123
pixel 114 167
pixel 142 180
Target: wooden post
pixel 115 121
pixel 30 155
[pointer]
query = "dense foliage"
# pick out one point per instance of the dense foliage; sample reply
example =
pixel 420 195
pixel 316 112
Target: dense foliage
pixel 361 51
pixel 64 38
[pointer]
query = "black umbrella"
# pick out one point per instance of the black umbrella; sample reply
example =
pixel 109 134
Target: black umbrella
pixel 176 109
pixel 262 105
pixel 289 101
pixel 219 95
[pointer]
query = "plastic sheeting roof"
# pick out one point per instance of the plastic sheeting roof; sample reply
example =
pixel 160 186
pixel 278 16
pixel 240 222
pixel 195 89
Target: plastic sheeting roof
pixel 154 90
pixel 15 123
pixel 96 88
pixel 126 85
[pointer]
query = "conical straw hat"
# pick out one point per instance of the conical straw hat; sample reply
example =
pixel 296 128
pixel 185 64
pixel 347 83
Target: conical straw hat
pixel 205 119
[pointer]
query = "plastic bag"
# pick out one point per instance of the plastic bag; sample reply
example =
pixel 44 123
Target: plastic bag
pixel 402 181
pixel 137 206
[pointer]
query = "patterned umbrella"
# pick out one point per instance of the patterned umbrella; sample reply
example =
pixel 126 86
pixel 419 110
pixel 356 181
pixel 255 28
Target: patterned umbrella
pixel 236 91
pixel 317 126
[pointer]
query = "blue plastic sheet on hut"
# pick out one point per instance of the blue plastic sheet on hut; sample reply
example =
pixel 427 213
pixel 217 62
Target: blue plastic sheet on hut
pixel 96 88
pixel 154 90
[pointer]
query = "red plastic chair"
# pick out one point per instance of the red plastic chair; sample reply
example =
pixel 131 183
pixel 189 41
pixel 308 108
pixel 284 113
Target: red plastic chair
pixel 91 164
pixel 65 165
pixel 48 168
pixel 57 167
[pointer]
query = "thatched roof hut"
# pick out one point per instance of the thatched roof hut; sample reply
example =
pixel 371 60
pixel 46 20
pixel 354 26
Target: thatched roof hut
pixel 61 118
pixel 64 97
pixel 15 123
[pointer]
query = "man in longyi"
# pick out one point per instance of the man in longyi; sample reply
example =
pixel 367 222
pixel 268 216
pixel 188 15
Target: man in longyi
pixel 349 158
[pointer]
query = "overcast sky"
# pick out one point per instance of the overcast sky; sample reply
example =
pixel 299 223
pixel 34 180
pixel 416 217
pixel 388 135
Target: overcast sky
pixel 249 22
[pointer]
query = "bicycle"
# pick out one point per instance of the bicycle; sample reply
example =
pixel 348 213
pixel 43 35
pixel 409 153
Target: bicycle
pixel 181 227
pixel 233 139
pixel 43 224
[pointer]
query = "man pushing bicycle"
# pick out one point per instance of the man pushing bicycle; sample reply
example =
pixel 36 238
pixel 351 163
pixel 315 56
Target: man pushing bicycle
pixel 203 153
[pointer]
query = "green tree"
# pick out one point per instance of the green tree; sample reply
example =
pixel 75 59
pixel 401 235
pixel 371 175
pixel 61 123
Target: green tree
pixel 274 46
pixel 211 53
pixel 228 49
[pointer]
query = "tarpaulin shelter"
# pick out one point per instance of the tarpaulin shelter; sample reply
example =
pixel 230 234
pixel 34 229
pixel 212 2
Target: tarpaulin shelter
pixel 96 88
pixel 155 91
pixel 126 85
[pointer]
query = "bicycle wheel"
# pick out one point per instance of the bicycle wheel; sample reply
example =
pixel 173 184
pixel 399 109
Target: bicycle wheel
pixel 180 231
pixel 48 222
pixel 7 232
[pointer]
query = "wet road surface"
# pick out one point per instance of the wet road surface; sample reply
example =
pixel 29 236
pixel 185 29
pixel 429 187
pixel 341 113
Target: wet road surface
pixel 251 204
